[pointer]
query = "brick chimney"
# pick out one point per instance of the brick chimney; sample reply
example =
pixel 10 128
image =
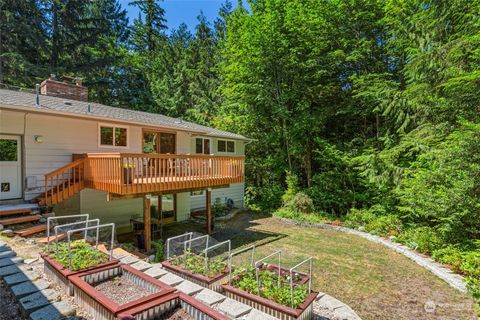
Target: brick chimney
pixel 68 88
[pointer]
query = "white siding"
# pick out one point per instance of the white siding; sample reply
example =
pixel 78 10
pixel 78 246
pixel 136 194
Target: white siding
pixel 234 192
pixel 63 136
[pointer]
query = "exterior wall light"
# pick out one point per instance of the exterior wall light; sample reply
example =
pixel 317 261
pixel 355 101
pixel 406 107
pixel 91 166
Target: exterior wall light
pixel 38 139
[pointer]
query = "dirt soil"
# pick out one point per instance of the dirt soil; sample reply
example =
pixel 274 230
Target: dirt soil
pixel 176 314
pixel 8 305
pixel 121 290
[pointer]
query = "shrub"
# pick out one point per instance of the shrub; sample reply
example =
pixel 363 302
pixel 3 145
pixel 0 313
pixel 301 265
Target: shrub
pixel 450 255
pixel 421 239
pixel 159 250
pixel 359 218
pixel 301 203
pixel 384 225
pixel 219 209
pixel 292 188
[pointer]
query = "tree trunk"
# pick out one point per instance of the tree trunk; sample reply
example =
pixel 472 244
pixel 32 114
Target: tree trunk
pixel 55 35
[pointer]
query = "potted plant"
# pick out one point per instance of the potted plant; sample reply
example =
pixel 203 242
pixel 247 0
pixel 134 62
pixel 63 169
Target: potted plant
pixel 84 258
pixel 272 292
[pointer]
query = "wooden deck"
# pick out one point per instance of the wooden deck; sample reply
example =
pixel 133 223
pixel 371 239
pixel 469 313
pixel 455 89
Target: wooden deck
pixel 126 174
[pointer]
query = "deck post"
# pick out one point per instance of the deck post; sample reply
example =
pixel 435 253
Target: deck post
pixel 147 221
pixel 208 200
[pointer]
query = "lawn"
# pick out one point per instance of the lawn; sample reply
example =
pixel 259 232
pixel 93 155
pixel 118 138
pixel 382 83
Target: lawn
pixel 375 281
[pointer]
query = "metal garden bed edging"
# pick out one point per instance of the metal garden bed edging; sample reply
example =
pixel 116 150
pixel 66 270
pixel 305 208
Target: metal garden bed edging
pixel 103 308
pixel 196 309
pixel 212 283
pixel 303 311
pixel 60 274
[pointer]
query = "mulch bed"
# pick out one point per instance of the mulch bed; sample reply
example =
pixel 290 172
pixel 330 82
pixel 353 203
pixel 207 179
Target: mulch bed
pixel 10 308
pixel 121 290
pixel 176 314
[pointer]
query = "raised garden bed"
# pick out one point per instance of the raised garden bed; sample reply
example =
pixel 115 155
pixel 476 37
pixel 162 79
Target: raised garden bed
pixel 107 292
pixel 175 306
pixel 193 267
pixel 83 259
pixel 273 295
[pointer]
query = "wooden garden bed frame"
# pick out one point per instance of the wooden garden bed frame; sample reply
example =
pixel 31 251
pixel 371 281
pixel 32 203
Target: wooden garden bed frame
pixel 103 308
pixel 213 283
pixel 61 275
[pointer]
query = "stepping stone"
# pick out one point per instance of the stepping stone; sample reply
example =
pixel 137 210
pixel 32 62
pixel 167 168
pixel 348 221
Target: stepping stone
pixel 7 254
pixel 171 279
pixel 21 277
pixel 54 311
pixel 5 248
pixel 23 289
pixel 156 272
pixel 233 308
pixel 9 261
pixel 38 300
pixel 129 260
pixel 189 288
pixel 258 315
pixel 141 265
pixel 330 303
pixel 12 269
pixel 210 297
pixel 2 243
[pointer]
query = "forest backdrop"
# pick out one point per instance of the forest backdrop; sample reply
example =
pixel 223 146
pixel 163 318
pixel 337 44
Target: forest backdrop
pixel 366 112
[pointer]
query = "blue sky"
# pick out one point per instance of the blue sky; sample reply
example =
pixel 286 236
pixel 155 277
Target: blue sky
pixel 178 11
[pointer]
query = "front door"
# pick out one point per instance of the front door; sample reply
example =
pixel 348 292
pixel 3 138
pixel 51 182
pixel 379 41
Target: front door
pixel 10 167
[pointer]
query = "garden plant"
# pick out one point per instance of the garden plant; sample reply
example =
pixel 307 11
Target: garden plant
pixel 199 263
pixel 83 255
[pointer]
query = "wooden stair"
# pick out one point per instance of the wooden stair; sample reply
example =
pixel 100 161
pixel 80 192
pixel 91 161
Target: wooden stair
pixel 12 212
pixel 52 238
pixel 10 221
pixel 32 230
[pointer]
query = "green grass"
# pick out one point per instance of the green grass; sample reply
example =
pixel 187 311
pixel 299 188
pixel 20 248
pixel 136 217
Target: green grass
pixel 376 282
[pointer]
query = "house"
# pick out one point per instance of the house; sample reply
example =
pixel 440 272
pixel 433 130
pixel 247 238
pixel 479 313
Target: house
pixel 60 150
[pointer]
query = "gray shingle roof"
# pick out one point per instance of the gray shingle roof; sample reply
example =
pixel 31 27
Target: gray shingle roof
pixel 26 101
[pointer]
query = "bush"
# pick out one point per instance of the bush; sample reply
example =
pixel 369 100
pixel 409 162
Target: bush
pixel 359 218
pixel 219 209
pixel 451 256
pixel 301 203
pixel 159 248
pixel 264 198
pixel 292 188
pixel 388 225
pixel 421 239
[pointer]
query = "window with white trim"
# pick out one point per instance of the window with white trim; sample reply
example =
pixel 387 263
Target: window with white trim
pixel 226 146
pixel 202 145
pixel 113 136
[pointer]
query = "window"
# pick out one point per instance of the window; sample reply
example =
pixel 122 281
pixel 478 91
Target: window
pixel 8 150
pixel 226 146
pixel 196 193
pixel 113 136
pixel 202 145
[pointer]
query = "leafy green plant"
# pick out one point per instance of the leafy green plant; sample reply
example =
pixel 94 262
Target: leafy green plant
pixel 292 188
pixel 302 203
pixel 83 255
pixel 219 209
pixel 199 264
pixel 422 239
pixel 270 285
pixel 159 250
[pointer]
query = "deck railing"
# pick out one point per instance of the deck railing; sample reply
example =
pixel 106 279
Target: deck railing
pixel 130 173
pixel 127 173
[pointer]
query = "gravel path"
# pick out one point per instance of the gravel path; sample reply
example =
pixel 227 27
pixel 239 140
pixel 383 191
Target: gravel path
pixel 121 290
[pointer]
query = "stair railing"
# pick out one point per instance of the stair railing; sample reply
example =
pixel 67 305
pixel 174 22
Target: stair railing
pixel 64 182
